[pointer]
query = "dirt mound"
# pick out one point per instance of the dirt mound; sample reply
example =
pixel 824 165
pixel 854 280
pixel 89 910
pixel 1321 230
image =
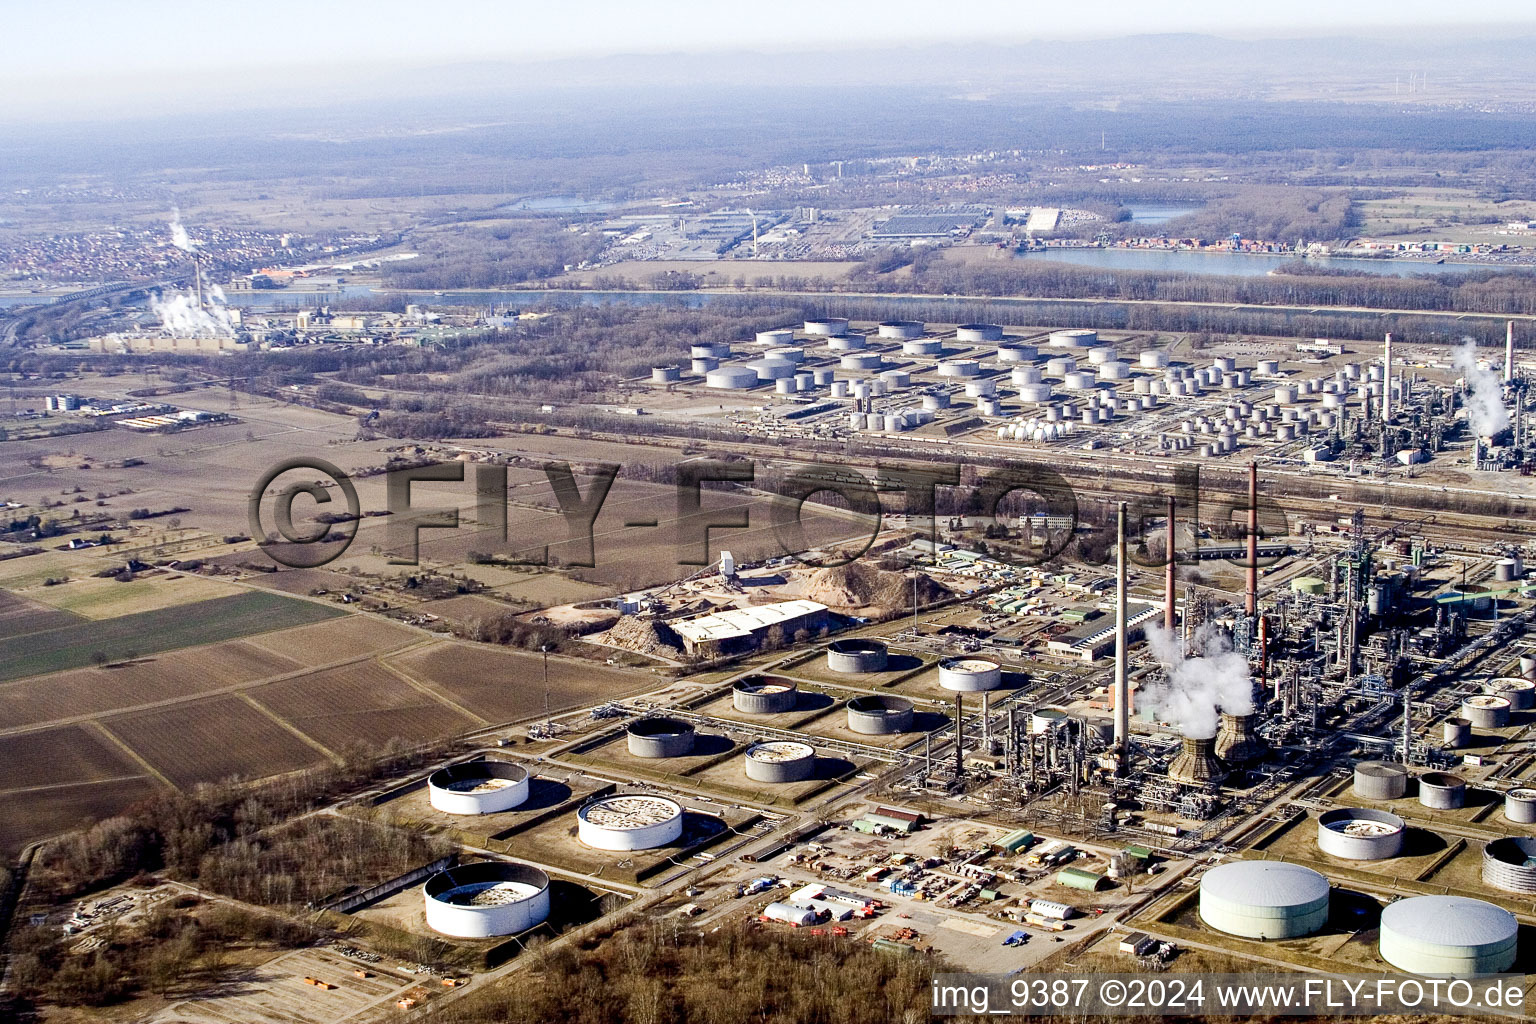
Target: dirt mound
pixel 644 636
pixel 858 585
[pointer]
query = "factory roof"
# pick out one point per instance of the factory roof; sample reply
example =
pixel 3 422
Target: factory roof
pixel 740 622
pixel 1095 630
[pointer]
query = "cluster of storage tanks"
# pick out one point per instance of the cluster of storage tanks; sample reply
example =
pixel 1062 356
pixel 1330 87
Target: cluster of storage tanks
pixel 1442 936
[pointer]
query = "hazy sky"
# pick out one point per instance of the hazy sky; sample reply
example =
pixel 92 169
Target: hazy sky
pixel 104 50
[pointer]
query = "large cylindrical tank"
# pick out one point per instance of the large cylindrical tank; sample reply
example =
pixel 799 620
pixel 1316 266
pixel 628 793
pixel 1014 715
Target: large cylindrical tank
pixel 922 347
pixel 1520 806
pixel 1044 720
pixel 1152 359
pixel 980 388
pixel 771 369
pixel 480 900
pixel 733 378
pixel 902 330
pixel 478 787
pixel 1076 338
pixel 1521 693
pixel 860 361
pixel 785 386
pixel 629 822
pixel 1486 711
pixel 1016 353
pixel 1359 833
pixel 1102 354
pixel 1035 392
pixel 1079 380
pixel 703 365
pixel 896 378
pixel 1025 375
pixel 857 655
pixel 978 332
pixel 1114 370
pixel 1264 899
pixel 1456 733
pixel 1441 791
pixel 1060 366
pixel 713 350
pixel 846 343
pixel 1453 936
pixel 959 368
pixel 879 714
pixel 1509 863
pixel 660 737
pixel 970 674
pixel 780 761
pixel 827 327
pixel 1504 570
pixel 934 401
pixel 823 376
pixel 765 695
pixel 666 374
pixel 781 336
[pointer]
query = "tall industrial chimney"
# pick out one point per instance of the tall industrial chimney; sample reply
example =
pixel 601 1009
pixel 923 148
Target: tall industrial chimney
pixel 1122 678
pixel 1509 351
pixel 1386 383
pixel 1168 581
pixel 1252 604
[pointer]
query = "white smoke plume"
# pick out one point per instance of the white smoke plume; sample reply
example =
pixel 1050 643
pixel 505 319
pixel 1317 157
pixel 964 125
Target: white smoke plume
pixel 179 237
pixel 1193 691
pixel 181 317
pixel 1486 414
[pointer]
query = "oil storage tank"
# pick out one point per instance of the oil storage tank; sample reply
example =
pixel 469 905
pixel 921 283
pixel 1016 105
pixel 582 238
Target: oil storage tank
pixel 1520 806
pixel 1441 791
pixel 1486 711
pixel 879 714
pixel 978 332
pixel 765 695
pixel 629 822
pixel 970 674
pixel 1264 899
pixel 1453 936
pixel 1359 833
pixel 827 327
pixel 780 761
pixel 660 737
pixel 1521 693
pixel 1455 733
pixel 1076 338
pixel 902 330
pixel 732 378
pixel 1510 864
pixel 857 655
pixel 1380 780
pixel 478 787
pixel 477 901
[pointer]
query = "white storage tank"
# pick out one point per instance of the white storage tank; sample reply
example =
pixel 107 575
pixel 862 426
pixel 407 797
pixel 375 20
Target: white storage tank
pixel 1075 338
pixel 1114 370
pixel 902 330
pixel 734 378
pixel 1025 375
pixel 823 376
pixel 1016 353
pixel 488 898
pixel 1060 366
pixel 1448 936
pixel 1264 899
pixel 1359 833
pixel 980 388
pixel 478 787
pixel 860 361
pixel 959 368
pixel 839 389
pixel 922 347
pixel 846 343
pixel 936 400
pixel 1102 354
pixel 1153 359
pixel 713 350
pixel 703 365
pixel 1285 395
pixel 826 327
pixel 785 386
pixel 896 378
pixel 629 822
pixel 781 336
pixel 771 369
pixel 786 353
pixel 1486 711
pixel 1079 380
pixel 970 674
pixel 973 333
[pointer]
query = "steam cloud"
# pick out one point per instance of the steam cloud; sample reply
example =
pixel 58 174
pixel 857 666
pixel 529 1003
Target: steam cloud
pixel 1195 690
pixel 179 237
pixel 1486 414
pixel 181 316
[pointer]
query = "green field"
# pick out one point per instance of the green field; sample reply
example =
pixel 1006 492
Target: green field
pixel 164 629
